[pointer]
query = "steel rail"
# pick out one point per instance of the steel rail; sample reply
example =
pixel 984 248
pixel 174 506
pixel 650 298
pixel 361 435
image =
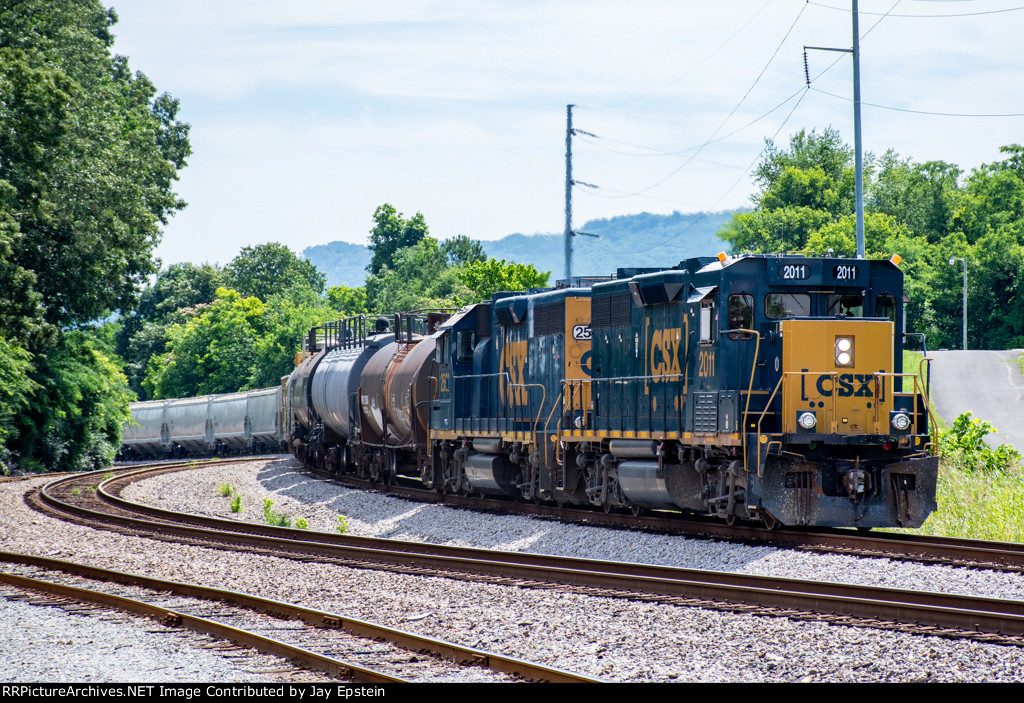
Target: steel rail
pixel 949 613
pixel 961 552
pixel 362 628
pixel 1004 556
pixel 174 618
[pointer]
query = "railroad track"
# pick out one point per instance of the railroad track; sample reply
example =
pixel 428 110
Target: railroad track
pixel 980 554
pixel 315 637
pixel 988 620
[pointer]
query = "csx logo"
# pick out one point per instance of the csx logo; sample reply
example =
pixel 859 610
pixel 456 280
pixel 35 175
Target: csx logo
pixel 513 363
pixel 665 351
pixel 845 385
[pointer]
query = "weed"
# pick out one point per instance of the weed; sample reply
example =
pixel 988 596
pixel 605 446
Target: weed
pixel 272 518
pixel 225 490
pixel 107 477
pixel 342 524
pixel 301 523
pixel 76 492
pixel 965 442
pixel 236 504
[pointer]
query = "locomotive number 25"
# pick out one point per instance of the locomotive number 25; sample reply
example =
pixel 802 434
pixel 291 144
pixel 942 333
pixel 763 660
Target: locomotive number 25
pixel 707 363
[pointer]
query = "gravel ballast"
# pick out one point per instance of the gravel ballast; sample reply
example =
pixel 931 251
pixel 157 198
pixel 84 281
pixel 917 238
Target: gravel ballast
pixel 612 638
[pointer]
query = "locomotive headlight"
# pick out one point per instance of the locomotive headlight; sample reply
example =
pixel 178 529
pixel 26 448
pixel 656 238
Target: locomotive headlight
pixel 900 421
pixel 844 351
pixel 807 421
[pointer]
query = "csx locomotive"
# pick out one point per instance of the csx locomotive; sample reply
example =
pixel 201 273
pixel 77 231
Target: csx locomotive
pixel 759 387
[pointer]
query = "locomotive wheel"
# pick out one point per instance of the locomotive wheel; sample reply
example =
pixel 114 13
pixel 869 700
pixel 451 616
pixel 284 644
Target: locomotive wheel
pixel 730 520
pixel 770 521
pixel 606 507
pixel 637 510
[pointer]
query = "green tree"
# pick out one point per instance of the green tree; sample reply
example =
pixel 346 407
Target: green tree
pixel 88 158
pixel 73 421
pixel 347 301
pixel 418 278
pixel 461 250
pixel 484 278
pixel 91 153
pixel 143 332
pixel 268 269
pixel 214 351
pixel 285 322
pixel 16 391
pixel 390 234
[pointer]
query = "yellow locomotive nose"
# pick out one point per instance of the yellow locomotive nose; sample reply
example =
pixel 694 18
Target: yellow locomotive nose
pixel 837 376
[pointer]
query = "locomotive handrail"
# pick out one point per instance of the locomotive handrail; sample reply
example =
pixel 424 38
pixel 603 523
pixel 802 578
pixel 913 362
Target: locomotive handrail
pixel 916 392
pixel 831 374
pixel 558 433
pixel 506 392
pixel 750 392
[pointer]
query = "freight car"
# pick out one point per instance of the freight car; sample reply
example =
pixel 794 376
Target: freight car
pixel 759 387
pixel 249 421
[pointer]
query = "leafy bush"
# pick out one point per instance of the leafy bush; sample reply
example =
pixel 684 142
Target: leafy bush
pixel 236 504
pixel 302 524
pixel 342 524
pixel 224 490
pixel 965 444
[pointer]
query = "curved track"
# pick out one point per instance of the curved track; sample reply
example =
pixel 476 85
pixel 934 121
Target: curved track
pixel 928 613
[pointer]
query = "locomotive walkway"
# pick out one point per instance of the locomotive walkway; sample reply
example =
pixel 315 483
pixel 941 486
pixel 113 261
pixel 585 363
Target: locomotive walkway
pixel 988 384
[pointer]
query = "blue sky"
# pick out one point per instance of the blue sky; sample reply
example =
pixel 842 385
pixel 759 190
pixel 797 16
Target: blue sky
pixel 308 115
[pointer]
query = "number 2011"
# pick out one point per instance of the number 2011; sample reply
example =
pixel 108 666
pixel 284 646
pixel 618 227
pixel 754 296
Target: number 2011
pixel 707 364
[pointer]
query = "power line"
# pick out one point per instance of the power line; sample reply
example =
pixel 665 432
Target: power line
pixel 696 65
pixel 737 107
pixel 651 151
pixel 923 112
pixel 887 14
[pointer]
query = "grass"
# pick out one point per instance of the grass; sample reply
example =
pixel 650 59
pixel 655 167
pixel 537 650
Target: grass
pixel 224 490
pixel 977 504
pixel 236 504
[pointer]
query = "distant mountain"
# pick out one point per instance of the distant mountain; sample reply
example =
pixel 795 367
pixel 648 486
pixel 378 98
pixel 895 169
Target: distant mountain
pixel 343 263
pixel 624 241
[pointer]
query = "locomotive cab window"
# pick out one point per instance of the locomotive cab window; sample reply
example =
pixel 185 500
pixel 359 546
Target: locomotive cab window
pixel 845 305
pixel 780 305
pixel 741 313
pixel 443 350
pixel 465 341
pixel 707 314
pixel 885 306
